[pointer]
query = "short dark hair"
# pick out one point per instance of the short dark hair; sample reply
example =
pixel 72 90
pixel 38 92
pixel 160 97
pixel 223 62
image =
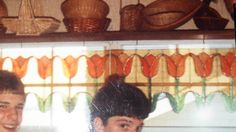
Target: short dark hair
pixel 117 98
pixel 10 82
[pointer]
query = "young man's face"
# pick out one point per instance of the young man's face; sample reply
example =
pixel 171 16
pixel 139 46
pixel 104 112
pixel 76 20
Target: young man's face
pixel 11 107
pixel 119 124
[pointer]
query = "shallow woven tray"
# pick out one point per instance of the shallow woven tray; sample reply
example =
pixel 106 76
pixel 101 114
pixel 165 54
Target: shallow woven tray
pixel 169 14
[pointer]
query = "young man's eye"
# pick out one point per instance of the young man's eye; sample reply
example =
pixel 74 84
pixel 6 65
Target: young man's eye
pixel 21 107
pixel 3 106
pixel 124 126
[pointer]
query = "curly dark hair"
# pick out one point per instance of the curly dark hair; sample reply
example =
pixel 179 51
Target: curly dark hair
pixel 117 98
pixel 10 82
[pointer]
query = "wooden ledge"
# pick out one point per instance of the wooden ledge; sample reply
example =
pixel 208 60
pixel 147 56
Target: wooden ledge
pixel 117 35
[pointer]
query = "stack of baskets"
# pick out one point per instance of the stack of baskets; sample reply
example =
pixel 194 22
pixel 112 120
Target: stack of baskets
pixel 85 15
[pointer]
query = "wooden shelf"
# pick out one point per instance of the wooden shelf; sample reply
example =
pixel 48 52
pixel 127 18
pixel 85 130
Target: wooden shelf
pixel 117 35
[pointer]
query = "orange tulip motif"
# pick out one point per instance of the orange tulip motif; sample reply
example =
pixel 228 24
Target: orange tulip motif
pixel 95 66
pixel 203 64
pixel 150 65
pixel 44 67
pixel 228 67
pixel 228 64
pixel 126 64
pixel 70 66
pixel 176 64
pixel 20 66
pixel 175 68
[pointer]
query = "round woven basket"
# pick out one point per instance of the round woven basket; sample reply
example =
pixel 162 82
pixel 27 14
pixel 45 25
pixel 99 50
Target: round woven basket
pixel 209 19
pixel 85 8
pixel 86 24
pixel 210 23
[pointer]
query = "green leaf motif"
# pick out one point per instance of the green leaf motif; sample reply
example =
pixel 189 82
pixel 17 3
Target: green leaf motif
pixel 202 100
pixel 44 103
pixel 69 103
pixel 230 102
pixel 177 102
pixel 154 101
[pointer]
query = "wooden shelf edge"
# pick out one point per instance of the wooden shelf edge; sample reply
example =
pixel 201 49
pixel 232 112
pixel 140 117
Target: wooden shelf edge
pixel 117 35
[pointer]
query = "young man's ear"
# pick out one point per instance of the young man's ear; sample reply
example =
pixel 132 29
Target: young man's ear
pixel 98 125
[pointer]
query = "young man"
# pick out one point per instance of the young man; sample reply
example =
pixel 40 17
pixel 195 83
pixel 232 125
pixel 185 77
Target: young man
pixel 12 98
pixel 119 107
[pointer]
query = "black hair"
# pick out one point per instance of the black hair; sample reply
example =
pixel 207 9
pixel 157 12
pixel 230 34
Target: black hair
pixel 10 82
pixel 117 98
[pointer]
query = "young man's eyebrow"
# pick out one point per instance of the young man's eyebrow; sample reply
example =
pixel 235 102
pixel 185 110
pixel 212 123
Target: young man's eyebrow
pixel 22 104
pixel 4 102
pixel 126 120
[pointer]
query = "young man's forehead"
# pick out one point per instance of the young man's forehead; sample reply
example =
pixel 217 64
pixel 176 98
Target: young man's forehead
pixel 19 91
pixel 127 119
pixel 11 97
pixel 6 102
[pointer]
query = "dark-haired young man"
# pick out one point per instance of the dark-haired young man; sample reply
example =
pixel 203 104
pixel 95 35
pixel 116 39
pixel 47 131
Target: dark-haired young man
pixel 12 98
pixel 119 107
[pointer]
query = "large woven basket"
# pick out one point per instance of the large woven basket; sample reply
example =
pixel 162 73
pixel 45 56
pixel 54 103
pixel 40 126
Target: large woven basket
pixel 85 8
pixel 131 17
pixel 169 14
pixel 86 24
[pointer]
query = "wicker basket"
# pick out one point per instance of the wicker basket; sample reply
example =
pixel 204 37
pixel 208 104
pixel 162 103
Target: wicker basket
pixel 209 19
pixel 159 20
pixel 210 23
pixel 168 14
pixel 85 8
pixel 86 24
pixel 26 24
pixel 131 17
